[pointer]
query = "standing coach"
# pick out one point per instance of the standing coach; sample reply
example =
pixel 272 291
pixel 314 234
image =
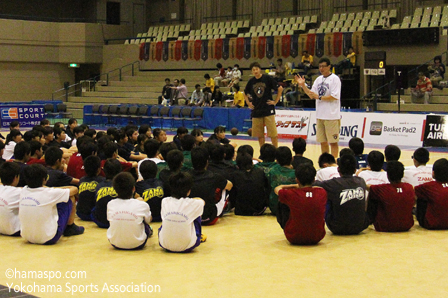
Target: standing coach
pixel 326 91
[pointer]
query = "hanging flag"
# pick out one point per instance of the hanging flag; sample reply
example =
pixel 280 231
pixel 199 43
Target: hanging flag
pixel 311 43
pixel 159 50
pixel 191 45
pixel 357 42
pixel 232 48
pixel 225 48
pixel 329 44
pixel 247 47
pixel 269 47
pixel 337 48
pixel 294 49
pixel 172 46
pixel 204 50
pixel 147 47
pixel 261 47
pixel 197 49
pixel 165 51
pixel 141 52
pixel 347 42
pixel 277 46
pixel 184 50
pixel 320 44
pixel 254 47
pixel 178 50
pixel 218 48
pixel 286 46
pixel 211 49
pixel 239 48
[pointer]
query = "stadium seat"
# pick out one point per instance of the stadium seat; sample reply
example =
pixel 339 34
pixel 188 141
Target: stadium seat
pixel 359 15
pixel 62 111
pixel 335 17
pixel 395 26
pixel 339 24
pixel 313 31
pixel 299 20
pixel 307 19
pixel 285 21
pixel 330 25
pixel 367 15
pixel 351 16
pixel 418 11
pixel 343 16
pixel 271 22
pixel 292 20
pixel 376 15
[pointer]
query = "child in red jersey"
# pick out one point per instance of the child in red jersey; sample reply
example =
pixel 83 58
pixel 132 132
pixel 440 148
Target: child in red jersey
pixel 432 199
pixel 301 208
pixel 390 205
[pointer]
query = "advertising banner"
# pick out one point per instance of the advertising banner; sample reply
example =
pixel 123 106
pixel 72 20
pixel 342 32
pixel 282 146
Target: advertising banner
pixel 27 115
pixel 292 123
pixel 436 132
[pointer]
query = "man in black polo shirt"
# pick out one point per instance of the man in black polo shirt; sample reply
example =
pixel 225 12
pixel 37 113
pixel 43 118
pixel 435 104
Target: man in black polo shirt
pixel 263 106
pixel 346 205
pixel 207 186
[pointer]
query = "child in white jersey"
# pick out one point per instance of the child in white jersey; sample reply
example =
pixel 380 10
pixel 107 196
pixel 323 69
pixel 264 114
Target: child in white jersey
pixel 9 199
pixel 181 216
pixel 129 218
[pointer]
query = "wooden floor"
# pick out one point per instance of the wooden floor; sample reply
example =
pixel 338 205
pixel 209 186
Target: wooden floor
pixel 243 257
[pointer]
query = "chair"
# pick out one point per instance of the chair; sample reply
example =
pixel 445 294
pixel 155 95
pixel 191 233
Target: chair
pixel 142 114
pixel 49 110
pixel 154 115
pixel 104 113
pixel 95 112
pixel 123 114
pixel 185 115
pixel 164 115
pixel 176 116
pixel 132 114
pixel 197 116
pixel 62 111
pixel 112 115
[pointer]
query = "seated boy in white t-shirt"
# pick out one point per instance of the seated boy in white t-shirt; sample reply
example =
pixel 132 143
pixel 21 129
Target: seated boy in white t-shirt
pixel 375 175
pixel 9 199
pixel 129 218
pixel 420 173
pixel 181 216
pixel 328 167
pixel 46 213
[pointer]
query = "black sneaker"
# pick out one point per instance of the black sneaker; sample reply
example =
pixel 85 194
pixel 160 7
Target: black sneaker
pixel 73 230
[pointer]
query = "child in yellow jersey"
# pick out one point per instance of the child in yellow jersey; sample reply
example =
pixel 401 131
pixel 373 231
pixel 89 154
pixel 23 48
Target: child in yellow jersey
pixel 238 97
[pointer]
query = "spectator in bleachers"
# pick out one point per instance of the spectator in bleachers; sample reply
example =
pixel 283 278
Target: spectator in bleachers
pixel 208 89
pixel 348 62
pixel 307 62
pixel 280 71
pixel 236 76
pixel 423 89
pixel 180 93
pixel 166 92
pixel 217 98
pixel 437 71
pixel 221 75
pixel 238 97
pixel 197 97
pixel 228 77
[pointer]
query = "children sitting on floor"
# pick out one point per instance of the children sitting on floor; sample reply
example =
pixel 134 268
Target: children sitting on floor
pixel 150 189
pixel 375 175
pixel 390 205
pixel 129 218
pixel 328 167
pixel 357 145
pixel 181 216
pixel 46 213
pixel 301 208
pixel 419 173
pixel 299 147
pixel 432 199
pixel 9 199
pixel 87 186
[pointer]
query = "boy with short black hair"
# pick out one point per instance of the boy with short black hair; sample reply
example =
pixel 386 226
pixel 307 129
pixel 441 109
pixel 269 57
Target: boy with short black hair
pixel 22 153
pixel 78 132
pixel 267 155
pixel 46 213
pixel 346 204
pixel 375 175
pixel 250 191
pixel 75 166
pixel 390 205
pixel 284 174
pixel 152 150
pixel 36 153
pixel 87 186
pixel 432 199
pixel 110 150
pixel 164 149
pixel 9 199
pixel 150 189
pixel 56 177
pixel 328 167
pixel 391 153
pixel 302 208
pixel 217 164
pixel 59 138
pixel 357 145
pixel 229 151
pixel 104 193
pixel 299 147
pixel 208 186
pixel 129 218
pixel 419 173
pixel 181 217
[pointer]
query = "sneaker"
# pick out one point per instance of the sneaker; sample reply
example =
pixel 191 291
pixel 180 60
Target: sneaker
pixel 203 238
pixel 73 230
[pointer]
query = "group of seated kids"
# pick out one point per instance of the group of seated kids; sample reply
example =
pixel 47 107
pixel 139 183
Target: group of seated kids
pixel 123 179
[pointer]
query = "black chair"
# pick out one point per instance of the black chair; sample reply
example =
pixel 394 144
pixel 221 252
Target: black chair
pixel 123 113
pixel 113 115
pixel 155 116
pixel 143 115
pixel 186 114
pixel 165 115
pixel 62 110
pixel 175 115
pixel 104 113
pixel 133 115
pixel 49 110
pixel 95 112
pixel 197 116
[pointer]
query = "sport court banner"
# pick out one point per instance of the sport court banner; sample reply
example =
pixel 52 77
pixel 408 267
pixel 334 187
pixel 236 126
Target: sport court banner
pixel 27 115
pixel 436 131
pixel 292 123
pixel 396 129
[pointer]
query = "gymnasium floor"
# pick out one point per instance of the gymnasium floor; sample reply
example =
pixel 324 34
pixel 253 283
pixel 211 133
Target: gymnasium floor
pixel 243 257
